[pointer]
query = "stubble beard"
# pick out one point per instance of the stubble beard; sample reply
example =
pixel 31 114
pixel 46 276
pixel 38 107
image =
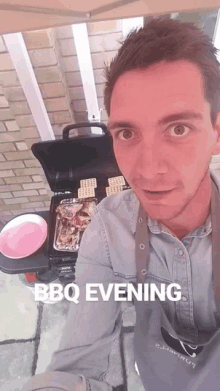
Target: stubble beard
pixel 190 197
pixel 180 211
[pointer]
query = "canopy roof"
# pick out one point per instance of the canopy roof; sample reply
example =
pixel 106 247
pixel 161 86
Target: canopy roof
pixel 24 15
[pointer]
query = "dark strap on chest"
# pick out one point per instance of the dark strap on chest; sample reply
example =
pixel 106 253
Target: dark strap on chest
pixel 142 250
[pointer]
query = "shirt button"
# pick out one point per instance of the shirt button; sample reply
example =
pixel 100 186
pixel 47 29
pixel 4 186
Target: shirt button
pixel 184 298
pixel 181 252
pixel 144 271
pixel 142 246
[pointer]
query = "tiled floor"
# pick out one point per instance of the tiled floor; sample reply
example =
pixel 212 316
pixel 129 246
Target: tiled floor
pixel 30 331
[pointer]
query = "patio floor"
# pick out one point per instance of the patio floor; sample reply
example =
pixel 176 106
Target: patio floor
pixel 30 332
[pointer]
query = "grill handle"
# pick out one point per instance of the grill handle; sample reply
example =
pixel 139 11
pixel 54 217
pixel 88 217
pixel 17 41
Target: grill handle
pixel 67 128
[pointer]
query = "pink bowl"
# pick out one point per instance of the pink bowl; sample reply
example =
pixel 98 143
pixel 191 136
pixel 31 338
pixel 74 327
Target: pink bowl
pixel 23 236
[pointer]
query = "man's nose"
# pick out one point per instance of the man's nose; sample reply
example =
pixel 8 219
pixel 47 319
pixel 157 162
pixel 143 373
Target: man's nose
pixel 152 159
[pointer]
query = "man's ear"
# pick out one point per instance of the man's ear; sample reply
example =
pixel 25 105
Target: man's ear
pixel 216 133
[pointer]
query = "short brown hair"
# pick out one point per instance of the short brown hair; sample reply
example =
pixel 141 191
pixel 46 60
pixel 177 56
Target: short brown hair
pixel 167 40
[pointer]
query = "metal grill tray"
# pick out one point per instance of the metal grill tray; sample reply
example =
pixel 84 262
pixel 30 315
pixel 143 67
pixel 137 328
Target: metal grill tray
pixel 68 161
pixel 70 226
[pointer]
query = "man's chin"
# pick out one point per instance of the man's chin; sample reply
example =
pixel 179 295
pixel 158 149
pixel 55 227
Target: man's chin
pixel 162 212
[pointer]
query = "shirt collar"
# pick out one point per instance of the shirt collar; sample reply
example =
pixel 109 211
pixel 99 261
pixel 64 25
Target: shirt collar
pixel 157 228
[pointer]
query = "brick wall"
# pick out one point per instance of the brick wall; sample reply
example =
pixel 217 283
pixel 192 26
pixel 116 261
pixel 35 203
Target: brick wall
pixel 45 59
pixel 104 40
pixel 23 185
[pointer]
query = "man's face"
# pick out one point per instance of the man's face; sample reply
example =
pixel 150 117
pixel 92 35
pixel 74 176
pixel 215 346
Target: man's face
pixel 162 133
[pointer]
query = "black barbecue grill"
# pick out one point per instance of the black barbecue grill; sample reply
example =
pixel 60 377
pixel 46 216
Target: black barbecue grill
pixel 66 162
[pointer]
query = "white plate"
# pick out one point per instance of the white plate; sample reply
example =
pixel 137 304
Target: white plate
pixel 22 236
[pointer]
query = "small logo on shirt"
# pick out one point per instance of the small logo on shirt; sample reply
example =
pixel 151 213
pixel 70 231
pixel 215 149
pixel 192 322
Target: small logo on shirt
pixel 179 346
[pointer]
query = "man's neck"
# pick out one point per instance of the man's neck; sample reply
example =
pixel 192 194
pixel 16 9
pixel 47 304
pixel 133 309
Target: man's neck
pixel 195 213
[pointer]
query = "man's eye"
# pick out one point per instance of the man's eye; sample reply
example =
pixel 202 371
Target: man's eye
pixel 125 134
pixel 179 130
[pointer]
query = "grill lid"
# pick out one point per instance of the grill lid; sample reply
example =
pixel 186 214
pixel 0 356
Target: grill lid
pixel 67 161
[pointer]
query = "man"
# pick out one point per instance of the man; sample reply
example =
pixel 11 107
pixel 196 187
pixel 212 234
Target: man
pixel 162 97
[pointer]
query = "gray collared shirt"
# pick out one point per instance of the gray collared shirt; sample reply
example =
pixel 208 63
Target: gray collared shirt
pixel 106 256
pixel 187 262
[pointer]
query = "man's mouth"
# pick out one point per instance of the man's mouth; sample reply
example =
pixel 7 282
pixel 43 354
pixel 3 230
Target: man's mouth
pixel 156 195
pixel 157 191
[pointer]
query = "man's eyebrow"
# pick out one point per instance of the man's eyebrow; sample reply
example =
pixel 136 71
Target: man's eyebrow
pixel 119 124
pixel 179 116
pixel 163 121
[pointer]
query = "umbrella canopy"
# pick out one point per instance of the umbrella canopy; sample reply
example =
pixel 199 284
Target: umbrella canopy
pixel 24 15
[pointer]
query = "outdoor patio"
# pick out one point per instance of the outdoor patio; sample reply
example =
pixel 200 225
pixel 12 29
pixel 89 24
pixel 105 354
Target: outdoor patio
pixel 30 331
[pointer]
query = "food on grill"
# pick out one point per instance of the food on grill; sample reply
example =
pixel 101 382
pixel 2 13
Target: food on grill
pixel 81 222
pixel 88 208
pixel 71 220
pixel 68 211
